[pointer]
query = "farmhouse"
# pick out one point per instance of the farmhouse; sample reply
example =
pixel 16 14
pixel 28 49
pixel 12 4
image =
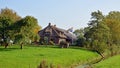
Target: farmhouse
pixel 56 35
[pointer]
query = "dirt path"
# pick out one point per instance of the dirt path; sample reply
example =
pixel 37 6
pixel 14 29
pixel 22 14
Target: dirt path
pixel 83 66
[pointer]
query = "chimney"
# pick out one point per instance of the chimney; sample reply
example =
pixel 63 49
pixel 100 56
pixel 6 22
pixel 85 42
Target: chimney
pixel 49 24
pixel 54 25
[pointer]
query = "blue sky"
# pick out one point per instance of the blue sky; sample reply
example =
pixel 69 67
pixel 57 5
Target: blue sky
pixel 63 13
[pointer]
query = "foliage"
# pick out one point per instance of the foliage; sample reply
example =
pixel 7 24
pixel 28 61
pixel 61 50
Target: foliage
pixel 5 26
pixel 99 46
pixel 19 39
pixel 7 18
pixel 96 18
pixel 80 41
pixel 103 31
pixel 79 32
pixel 99 33
pixel 80 35
pixel 11 14
pixel 36 38
pixel 25 27
pixel 43 64
pixel 16 28
pixel 113 22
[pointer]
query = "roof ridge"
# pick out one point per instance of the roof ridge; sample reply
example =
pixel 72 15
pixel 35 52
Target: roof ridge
pixel 54 30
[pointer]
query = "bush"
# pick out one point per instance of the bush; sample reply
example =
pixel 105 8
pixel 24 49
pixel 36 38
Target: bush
pixel 80 42
pixel 99 46
pixel 87 44
pixel 44 64
pixel 114 49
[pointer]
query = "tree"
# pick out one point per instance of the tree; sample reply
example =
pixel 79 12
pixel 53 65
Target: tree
pixel 22 30
pixel 7 18
pixel 27 27
pixel 79 32
pixel 5 31
pixel 97 17
pixel 80 35
pixel 9 13
pixel 98 33
pixel 113 22
pixel 101 33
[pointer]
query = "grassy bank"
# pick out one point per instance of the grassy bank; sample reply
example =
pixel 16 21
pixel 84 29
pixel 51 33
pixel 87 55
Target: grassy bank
pixel 112 62
pixel 30 57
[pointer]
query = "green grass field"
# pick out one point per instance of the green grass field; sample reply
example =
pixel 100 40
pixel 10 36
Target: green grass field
pixel 31 56
pixel 112 62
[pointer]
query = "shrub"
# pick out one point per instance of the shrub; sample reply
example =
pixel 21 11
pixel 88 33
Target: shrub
pixel 80 42
pixel 52 66
pixel 44 64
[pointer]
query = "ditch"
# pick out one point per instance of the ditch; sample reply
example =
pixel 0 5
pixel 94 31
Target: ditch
pixel 89 64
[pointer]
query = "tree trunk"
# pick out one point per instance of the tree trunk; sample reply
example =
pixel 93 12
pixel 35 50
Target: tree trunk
pixel 101 54
pixel 21 45
pixel 5 44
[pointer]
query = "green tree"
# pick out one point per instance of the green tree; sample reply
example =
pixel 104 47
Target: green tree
pixel 101 33
pixel 79 32
pixel 80 35
pixel 9 13
pixel 98 33
pixel 22 30
pixel 113 22
pixel 5 29
pixel 7 18
pixel 96 18
pixel 27 27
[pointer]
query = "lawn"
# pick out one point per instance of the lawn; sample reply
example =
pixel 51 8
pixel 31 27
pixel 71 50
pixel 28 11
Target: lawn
pixel 31 56
pixel 112 62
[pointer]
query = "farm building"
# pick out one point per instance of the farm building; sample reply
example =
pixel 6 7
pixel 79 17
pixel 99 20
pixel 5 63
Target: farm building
pixel 56 35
